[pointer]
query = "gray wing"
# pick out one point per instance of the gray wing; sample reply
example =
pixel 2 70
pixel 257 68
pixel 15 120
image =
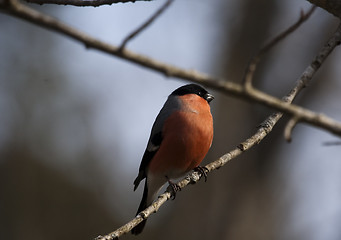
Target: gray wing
pixel 172 104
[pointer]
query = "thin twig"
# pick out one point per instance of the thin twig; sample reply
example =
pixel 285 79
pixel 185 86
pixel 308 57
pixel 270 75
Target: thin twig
pixel 251 67
pixel 82 3
pixel 146 24
pixel 306 77
pixel 289 128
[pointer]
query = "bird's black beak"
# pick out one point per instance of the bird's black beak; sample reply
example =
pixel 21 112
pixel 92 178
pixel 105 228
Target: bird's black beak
pixel 208 97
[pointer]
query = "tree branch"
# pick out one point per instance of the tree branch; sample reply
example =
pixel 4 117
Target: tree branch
pixel 82 3
pixel 251 68
pixel 289 128
pixel 146 24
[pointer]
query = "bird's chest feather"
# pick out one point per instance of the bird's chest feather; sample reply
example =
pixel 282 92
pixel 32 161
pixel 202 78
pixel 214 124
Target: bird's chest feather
pixel 187 137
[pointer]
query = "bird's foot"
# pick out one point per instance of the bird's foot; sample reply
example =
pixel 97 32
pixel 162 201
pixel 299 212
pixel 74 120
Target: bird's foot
pixel 203 172
pixel 174 187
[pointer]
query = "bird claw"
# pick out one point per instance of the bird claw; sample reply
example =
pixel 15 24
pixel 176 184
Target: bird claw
pixel 175 188
pixel 203 171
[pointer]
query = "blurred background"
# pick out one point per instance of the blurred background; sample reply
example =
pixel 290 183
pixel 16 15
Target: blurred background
pixel 74 124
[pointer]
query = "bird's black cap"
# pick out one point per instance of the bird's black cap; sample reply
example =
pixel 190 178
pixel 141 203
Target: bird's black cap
pixel 193 89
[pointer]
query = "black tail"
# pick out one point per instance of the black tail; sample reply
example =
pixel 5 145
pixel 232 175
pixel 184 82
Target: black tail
pixel 143 205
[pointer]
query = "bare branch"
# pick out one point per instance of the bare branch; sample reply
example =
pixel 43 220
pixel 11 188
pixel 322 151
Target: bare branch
pixel 251 67
pixel 82 3
pixel 289 127
pixel 146 24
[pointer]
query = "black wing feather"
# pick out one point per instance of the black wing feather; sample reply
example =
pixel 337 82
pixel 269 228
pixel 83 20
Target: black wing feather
pixel 147 156
pixel 172 104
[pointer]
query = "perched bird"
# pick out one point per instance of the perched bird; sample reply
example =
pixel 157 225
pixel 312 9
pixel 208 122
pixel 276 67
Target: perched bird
pixel 180 138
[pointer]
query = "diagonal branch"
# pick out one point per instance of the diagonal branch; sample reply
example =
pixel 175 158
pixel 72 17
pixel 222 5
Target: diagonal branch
pixel 251 68
pixel 82 3
pixel 146 24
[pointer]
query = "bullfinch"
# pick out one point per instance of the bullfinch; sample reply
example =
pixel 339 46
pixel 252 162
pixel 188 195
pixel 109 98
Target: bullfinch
pixel 180 138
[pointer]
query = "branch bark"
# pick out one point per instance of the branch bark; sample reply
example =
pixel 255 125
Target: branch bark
pixel 82 3
pixel 332 6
